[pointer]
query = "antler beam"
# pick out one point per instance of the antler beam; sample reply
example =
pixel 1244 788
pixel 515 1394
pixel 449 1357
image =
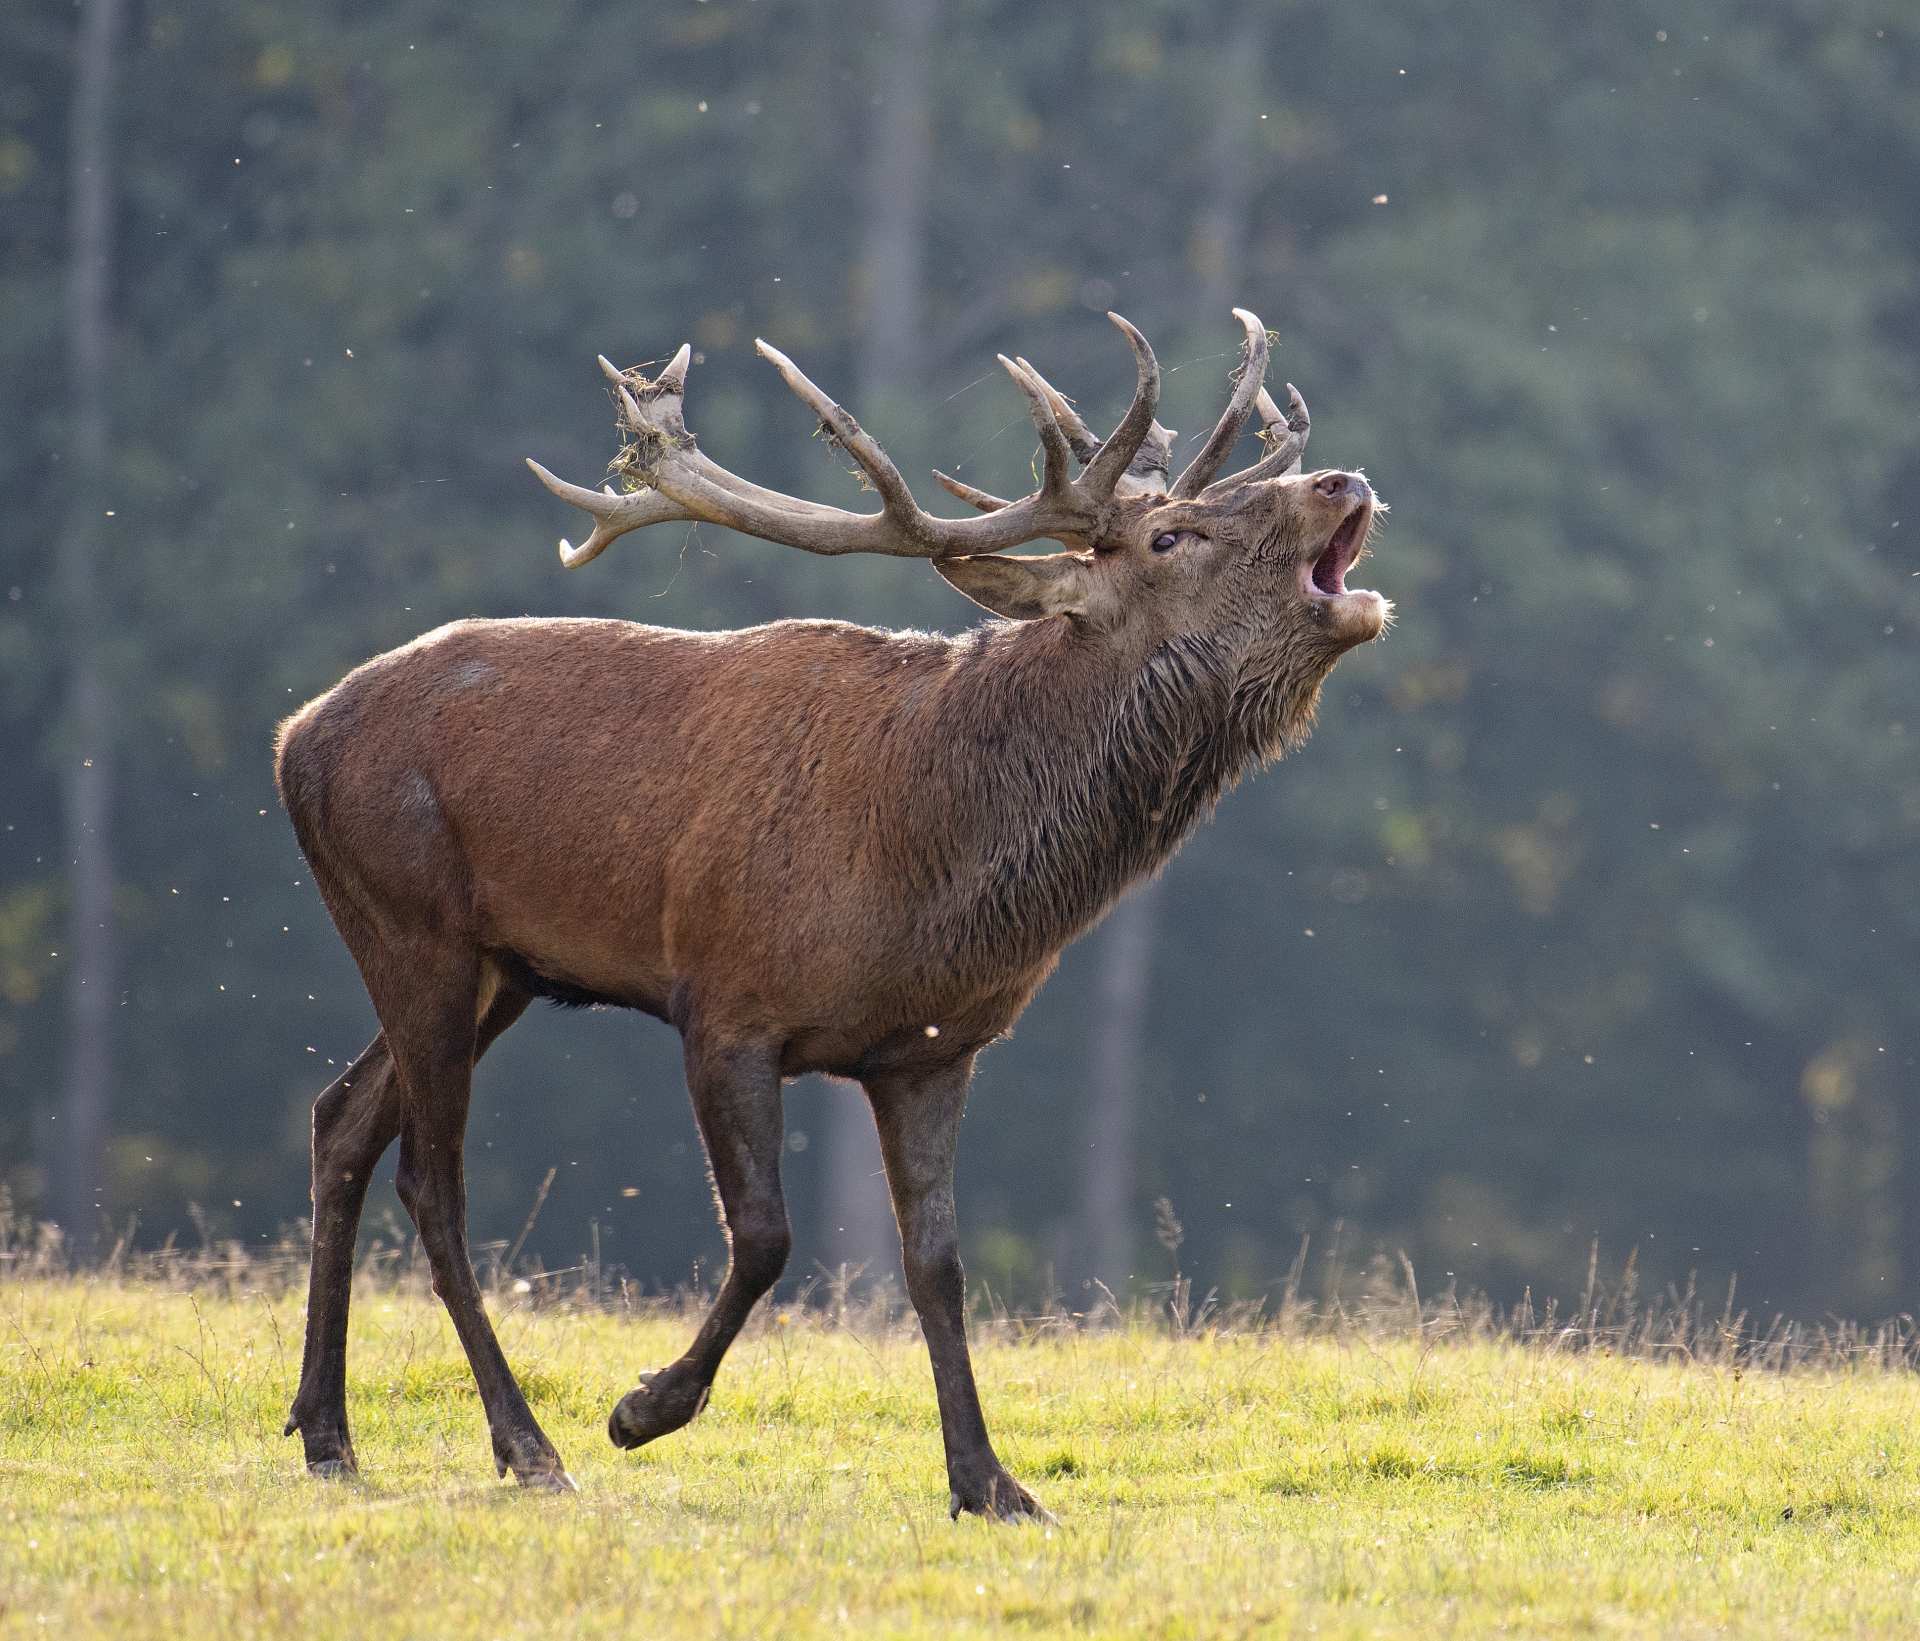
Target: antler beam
pixel 677 480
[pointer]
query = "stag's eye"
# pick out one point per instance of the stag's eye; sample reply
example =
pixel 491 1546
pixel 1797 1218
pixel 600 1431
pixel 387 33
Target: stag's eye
pixel 1165 542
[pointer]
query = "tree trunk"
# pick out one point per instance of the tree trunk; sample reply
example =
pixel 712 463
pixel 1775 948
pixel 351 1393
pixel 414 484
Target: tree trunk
pixel 1113 1063
pixel 892 350
pixel 1220 234
pixel 889 369
pixel 88 755
pixel 860 1229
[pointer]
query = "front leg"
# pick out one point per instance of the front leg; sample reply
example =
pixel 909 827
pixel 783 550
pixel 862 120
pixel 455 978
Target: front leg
pixel 736 1099
pixel 919 1126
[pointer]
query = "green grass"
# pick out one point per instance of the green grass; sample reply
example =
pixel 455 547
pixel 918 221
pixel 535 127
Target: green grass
pixel 1326 1482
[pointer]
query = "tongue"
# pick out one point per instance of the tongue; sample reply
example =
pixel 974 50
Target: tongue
pixel 1330 568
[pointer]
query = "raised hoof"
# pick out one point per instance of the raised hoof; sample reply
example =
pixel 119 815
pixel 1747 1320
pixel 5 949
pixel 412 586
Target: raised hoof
pixel 662 1402
pixel 1000 1498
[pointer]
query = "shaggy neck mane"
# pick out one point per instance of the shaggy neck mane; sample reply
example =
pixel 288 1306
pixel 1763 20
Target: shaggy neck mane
pixel 1076 777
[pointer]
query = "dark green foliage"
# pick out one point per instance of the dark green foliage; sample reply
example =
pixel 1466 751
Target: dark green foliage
pixel 1609 853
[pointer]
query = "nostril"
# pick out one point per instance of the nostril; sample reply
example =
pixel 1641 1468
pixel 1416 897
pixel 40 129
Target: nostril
pixel 1330 484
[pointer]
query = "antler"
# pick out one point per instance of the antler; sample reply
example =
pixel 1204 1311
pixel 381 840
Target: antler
pixel 677 481
pixel 1284 431
pixel 1145 474
pixel 1285 434
pixel 1226 432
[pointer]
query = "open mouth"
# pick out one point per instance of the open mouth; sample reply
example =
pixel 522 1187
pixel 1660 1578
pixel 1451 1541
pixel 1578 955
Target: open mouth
pixel 1330 568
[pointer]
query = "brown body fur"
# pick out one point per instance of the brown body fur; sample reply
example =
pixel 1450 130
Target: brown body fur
pixel 838 836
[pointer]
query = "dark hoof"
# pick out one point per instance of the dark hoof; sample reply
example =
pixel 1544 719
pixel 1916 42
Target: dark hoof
pixel 665 1400
pixel 329 1452
pixel 999 1498
pixel 534 1463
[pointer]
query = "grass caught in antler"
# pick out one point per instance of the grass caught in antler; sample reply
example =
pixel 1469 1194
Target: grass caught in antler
pixel 1364 1476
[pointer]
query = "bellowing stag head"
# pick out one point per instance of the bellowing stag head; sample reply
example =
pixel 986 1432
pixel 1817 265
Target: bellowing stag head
pixel 1255 562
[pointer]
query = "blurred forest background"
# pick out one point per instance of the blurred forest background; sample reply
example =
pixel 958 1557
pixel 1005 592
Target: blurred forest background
pixel 1592 907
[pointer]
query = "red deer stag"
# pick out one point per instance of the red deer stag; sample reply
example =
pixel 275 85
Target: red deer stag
pixel 809 846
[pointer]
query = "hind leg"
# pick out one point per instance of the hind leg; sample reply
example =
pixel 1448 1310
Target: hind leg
pixel 354 1121
pixel 430 1027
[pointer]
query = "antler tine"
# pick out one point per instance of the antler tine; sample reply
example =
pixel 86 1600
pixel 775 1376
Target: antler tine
pixel 1226 432
pixel 613 515
pixel 1081 437
pixel 664 394
pixel 1287 435
pixel 966 492
pixel 1117 453
pixel 674 378
pixel 1297 417
pixel 895 497
pixel 1054 480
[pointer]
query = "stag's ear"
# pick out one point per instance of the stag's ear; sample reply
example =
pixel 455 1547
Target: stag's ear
pixel 1031 589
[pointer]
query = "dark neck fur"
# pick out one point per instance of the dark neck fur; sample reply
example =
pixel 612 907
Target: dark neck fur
pixel 1077 778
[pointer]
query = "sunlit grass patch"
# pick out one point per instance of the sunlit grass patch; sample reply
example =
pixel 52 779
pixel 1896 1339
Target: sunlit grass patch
pixel 1319 1477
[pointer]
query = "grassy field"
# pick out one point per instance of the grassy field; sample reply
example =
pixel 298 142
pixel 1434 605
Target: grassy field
pixel 1364 1479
